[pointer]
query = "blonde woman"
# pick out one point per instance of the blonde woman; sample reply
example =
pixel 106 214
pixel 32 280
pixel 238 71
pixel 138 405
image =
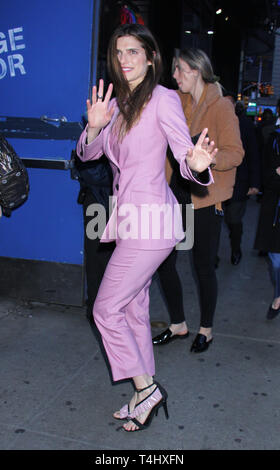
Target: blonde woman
pixel 204 106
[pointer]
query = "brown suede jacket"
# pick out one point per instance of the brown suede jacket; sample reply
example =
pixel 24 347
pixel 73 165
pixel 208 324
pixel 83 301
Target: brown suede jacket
pixel 217 114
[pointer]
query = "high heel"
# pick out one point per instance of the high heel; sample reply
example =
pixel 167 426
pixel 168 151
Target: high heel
pixel 164 404
pixel 159 396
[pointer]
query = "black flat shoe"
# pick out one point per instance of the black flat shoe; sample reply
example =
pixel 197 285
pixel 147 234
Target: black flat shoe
pixel 167 336
pixel 200 343
pixel 236 257
pixel 272 313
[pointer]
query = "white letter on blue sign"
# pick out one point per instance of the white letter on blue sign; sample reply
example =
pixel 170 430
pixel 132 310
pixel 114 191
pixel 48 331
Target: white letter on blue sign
pixel 14 38
pixel 16 65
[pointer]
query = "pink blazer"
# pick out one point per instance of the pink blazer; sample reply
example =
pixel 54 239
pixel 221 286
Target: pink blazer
pixel 145 214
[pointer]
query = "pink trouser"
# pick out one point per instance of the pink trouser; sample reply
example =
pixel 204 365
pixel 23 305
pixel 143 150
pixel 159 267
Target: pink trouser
pixel 121 310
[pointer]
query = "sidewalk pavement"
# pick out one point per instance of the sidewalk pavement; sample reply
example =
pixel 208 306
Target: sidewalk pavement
pixel 56 392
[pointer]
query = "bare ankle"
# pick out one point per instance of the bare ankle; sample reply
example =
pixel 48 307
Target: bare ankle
pixel 179 328
pixel 206 332
pixel 276 303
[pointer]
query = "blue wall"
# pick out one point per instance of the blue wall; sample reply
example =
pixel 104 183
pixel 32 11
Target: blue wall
pixel 45 68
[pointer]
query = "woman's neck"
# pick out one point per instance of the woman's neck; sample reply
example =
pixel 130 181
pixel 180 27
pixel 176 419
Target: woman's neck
pixel 197 91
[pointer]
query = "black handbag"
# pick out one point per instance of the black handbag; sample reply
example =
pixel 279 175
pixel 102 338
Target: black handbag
pixel 14 181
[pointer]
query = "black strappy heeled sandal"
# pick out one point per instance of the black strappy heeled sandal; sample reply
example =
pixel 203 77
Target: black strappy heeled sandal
pixel 125 411
pixel 153 402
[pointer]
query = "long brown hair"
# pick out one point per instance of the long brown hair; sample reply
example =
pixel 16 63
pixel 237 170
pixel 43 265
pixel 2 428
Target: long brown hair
pixel 132 102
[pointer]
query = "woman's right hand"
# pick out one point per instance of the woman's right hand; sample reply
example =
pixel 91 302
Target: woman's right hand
pixel 203 154
pixel 98 112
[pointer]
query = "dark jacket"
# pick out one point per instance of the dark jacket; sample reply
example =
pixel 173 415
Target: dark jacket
pixel 268 230
pixel 264 130
pixel 248 174
pixel 96 177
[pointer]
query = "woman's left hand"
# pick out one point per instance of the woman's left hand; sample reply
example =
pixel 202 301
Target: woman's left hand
pixel 202 154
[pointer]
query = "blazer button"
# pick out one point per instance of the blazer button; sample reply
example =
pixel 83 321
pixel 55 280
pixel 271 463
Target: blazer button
pixel 117 187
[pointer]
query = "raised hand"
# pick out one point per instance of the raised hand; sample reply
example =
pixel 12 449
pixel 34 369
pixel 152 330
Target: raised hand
pixel 202 154
pixel 98 112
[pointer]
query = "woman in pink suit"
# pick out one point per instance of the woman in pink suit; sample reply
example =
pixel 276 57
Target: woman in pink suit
pixel 134 130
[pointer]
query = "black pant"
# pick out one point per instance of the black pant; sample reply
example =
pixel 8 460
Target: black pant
pixel 234 213
pixel 207 229
pixel 97 256
pixel 172 288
